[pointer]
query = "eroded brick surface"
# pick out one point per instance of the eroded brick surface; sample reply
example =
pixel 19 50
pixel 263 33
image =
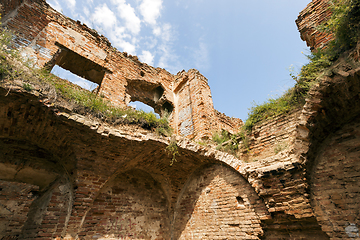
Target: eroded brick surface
pixel 48 38
pixel 335 183
pixel 218 203
pixel 314 15
pixel 66 176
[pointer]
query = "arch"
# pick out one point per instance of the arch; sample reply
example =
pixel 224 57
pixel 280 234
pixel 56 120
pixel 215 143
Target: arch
pixel 151 94
pixel 132 205
pixel 335 183
pixel 35 188
pixel 218 203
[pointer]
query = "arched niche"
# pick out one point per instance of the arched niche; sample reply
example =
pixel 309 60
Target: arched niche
pixel 335 183
pixel 132 206
pixel 36 192
pixel 218 203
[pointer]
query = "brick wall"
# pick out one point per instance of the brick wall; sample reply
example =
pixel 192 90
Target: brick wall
pixel 132 206
pixel 218 203
pixel 335 183
pixel 48 38
pixel 15 201
pixel 66 176
pixel 270 137
pixel 316 13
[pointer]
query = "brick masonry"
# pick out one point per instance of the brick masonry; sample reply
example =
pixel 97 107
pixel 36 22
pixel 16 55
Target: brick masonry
pixel 48 38
pixel 316 13
pixel 66 176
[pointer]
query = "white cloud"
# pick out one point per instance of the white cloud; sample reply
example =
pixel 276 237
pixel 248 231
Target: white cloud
pixel 147 57
pixel 104 16
pixel 150 10
pixel 132 22
pixel 201 56
pixel 55 5
pixel 86 11
pixel 71 3
pixel 167 32
pixel 123 41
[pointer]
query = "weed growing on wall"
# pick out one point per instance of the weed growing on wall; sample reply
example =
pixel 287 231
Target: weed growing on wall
pixel 173 150
pixel 345 25
pixel 231 143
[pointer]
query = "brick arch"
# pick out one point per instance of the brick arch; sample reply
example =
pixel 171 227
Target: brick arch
pixel 335 183
pixel 332 109
pixel 37 168
pixel 131 205
pixel 152 94
pixel 25 119
pixel 218 203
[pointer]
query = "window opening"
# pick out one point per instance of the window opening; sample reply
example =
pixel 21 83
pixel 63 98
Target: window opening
pixel 142 106
pixel 65 74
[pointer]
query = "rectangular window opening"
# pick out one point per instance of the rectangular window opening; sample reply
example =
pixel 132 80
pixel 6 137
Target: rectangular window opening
pixel 66 74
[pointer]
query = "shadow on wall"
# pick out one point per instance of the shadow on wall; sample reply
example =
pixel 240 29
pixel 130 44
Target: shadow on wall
pixel 132 205
pixel 217 203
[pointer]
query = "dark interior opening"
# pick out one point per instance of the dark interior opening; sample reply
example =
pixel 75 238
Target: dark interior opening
pixel 158 92
pixel 240 200
pixel 167 107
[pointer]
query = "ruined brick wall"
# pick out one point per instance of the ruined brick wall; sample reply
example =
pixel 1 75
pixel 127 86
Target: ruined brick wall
pixel 336 181
pixel 218 203
pixel 230 124
pixel 66 176
pixel 270 137
pixel 132 206
pixel 316 13
pixel 110 181
pixel 48 38
pixel 15 201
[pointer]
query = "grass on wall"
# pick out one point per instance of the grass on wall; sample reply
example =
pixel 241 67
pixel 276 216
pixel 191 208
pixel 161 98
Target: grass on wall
pixel 345 24
pixel 12 67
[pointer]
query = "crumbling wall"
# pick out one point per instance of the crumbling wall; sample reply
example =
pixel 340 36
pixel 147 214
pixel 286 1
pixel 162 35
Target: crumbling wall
pixel 15 201
pixel 47 38
pixel 272 136
pixel 217 203
pixel 316 13
pixel 335 183
pixel 66 176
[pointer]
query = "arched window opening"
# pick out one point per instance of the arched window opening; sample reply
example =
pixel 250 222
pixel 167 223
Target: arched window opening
pixel 142 106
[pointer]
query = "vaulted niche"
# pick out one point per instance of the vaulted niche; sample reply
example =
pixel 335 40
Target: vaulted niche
pixel 158 92
pixel 167 107
pixel 78 65
pixel 150 94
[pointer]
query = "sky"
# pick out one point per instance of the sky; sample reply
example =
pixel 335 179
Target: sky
pixel 244 48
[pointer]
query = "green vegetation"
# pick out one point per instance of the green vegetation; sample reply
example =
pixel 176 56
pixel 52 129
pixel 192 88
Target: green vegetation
pixel 345 25
pixel 279 147
pixel 229 143
pixel 173 150
pixel 85 102
pixel 27 87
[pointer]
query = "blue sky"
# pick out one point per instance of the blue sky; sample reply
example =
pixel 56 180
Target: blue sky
pixel 244 48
